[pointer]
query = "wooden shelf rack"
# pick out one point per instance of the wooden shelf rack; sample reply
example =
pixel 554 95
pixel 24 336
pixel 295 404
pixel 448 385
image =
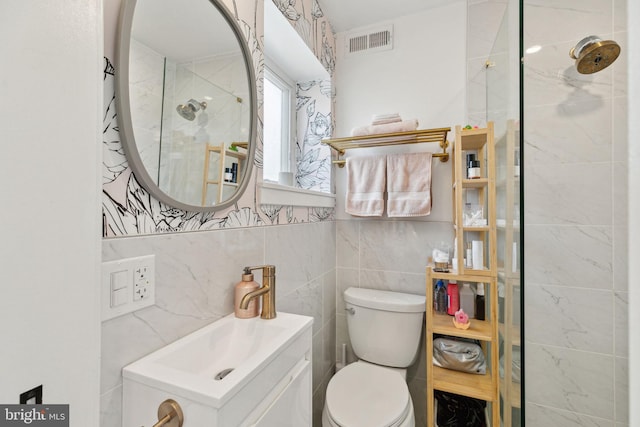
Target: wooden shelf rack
pixel 484 387
pixel 218 179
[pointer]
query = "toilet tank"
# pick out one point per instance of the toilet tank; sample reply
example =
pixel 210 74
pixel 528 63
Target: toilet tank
pixel 384 327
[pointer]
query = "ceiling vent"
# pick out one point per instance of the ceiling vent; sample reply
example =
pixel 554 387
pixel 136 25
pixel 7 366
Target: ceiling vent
pixel 370 40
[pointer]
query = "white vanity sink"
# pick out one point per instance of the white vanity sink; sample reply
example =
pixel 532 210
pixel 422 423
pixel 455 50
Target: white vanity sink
pixel 233 372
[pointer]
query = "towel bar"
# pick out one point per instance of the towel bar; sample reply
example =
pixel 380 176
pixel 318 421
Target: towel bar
pixel 438 135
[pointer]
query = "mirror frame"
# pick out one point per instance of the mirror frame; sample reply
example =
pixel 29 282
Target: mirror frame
pixel 123 110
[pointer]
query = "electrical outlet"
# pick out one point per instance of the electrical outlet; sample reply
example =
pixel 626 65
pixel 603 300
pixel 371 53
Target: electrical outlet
pixel 127 285
pixel 140 291
pixel 142 282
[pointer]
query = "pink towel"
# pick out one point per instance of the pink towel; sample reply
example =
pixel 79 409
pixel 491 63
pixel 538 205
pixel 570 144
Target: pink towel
pixel 403 126
pixel 365 185
pixel 409 184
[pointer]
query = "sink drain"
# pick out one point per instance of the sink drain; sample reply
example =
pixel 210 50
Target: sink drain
pixel 220 375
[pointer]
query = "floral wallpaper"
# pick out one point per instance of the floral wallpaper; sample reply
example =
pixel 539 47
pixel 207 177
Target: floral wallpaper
pixel 314 118
pixel 307 18
pixel 128 209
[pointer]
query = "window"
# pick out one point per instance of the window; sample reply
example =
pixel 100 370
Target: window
pixel 279 122
pixel 291 118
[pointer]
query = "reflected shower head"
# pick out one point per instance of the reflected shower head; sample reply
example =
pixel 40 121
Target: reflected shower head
pixel 189 110
pixel 593 54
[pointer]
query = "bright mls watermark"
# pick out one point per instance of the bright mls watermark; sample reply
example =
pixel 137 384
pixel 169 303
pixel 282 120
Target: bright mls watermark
pixel 34 415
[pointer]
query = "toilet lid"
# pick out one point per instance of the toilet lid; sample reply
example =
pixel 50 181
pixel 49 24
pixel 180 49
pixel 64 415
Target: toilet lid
pixel 365 395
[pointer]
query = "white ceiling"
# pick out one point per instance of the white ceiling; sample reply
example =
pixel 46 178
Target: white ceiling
pixel 183 30
pixel 346 15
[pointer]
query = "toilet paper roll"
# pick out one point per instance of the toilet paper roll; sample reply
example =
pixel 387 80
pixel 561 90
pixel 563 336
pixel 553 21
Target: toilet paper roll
pixel 477 254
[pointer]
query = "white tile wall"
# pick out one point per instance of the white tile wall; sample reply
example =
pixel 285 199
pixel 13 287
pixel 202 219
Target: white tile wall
pixel 575 210
pixel 575 214
pixel 576 256
pixel 577 381
pixel 571 317
pixel 539 415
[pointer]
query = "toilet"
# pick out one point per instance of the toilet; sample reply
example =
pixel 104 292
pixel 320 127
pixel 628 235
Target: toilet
pixel 384 328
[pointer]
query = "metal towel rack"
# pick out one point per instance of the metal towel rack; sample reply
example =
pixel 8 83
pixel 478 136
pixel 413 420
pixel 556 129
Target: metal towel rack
pixel 438 135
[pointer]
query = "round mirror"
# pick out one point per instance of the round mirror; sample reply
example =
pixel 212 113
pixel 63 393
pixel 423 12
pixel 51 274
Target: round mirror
pixel 185 95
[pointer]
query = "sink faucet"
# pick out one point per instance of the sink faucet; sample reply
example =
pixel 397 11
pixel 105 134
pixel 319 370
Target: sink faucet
pixel 267 292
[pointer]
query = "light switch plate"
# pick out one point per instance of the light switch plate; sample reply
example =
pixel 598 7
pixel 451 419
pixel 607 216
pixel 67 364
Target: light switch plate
pixel 127 285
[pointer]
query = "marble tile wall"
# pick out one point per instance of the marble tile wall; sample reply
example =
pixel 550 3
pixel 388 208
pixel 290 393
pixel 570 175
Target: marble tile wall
pixel 576 289
pixel 196 274
pixel 147 77
pixel 387 255
pixel 485 18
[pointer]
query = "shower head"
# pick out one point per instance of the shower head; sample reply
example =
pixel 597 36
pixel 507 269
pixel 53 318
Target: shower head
pixel 189 110
pixel 593 54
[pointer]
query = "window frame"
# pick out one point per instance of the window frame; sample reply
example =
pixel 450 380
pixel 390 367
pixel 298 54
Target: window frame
pixel 288 117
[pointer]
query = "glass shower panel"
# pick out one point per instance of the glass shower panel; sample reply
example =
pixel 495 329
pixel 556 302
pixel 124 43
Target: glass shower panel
pixel 211 115
pixel 502 87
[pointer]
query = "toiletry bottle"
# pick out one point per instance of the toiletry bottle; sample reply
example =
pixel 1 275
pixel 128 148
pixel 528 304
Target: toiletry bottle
pixel 246 285
pixel 477 254
pixel 454 260
pixel 453 299
pixel 470 159
pixel 440 298
pixel 234 172
pixel 227 174
pixel 479 307
pixel 474 170
pixel 467 300
pixel 469 258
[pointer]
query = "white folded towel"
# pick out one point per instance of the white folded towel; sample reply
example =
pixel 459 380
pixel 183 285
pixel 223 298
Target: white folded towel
pixel 384 116
pixel 365 185
pixel 385 121
pixel 403 126
pixel 381 119
pixel 409 184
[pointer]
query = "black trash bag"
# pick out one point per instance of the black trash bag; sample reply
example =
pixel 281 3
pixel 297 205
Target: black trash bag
pixel 459 411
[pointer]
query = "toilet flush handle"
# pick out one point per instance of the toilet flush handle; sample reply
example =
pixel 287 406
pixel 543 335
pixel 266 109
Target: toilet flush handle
pixel 350 310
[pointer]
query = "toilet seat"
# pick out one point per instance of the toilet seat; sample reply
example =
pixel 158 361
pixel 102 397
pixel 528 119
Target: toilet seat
pixel 366 395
